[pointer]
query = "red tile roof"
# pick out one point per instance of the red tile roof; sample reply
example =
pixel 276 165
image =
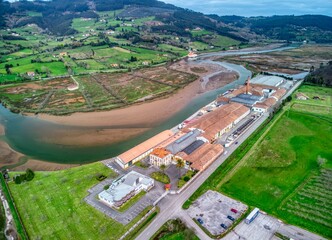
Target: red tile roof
pixel 140 149
pixel 219 119
pixel 160 152
pixel 203 156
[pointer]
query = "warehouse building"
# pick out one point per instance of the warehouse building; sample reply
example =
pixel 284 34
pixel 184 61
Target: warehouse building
pixel 142 150
pixel 184 141
pixel 247 99
pixel 200 155
pixel 220 120
pixel 279 94
pixel 273 81
pixel 124 188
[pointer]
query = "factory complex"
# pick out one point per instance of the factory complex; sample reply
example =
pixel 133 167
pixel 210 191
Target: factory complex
pixel 196 140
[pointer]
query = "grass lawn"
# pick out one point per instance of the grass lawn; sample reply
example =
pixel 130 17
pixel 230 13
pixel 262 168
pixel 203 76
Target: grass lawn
pixel 221 41
pixel 286 158
pixel 52 205
pixel 161 177
pixel 199 46
pixel 188 176
pixel 11 78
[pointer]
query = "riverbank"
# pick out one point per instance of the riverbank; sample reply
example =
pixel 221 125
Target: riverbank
pixel 94 129
pixel 109 127
pixel 10 157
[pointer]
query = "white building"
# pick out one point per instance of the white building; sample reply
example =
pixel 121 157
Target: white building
pixel 124 188
pixel 273 81
pixel 160 156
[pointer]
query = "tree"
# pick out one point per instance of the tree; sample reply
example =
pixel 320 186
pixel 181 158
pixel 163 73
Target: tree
pixel 133 59
pixel 29 174
pixel 162 167
pixel 179 165
pixel 17 179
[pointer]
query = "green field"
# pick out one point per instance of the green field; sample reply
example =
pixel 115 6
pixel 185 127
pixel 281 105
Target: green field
pixel 52 205
pixel 96 91
pixel 321 106
pixel 221 41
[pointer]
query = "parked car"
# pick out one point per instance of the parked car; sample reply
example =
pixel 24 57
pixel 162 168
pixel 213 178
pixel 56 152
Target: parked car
pixel 236 142
pixel 200 220
pixel 223 226
pixel 230 218
pixel 234 210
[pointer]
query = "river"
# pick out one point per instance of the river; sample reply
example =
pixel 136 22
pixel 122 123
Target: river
pixel 23 133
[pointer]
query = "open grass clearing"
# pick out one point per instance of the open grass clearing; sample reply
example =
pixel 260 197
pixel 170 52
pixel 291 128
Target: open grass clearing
pixel 221 41
pixel 324 94
pixel 283 160
pixel 53 201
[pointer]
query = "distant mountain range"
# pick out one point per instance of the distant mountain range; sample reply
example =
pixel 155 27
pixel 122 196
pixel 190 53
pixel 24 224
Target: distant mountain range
pixel 56 16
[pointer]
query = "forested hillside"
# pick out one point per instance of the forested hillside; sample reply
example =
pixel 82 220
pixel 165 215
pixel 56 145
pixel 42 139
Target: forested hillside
pixel 315 28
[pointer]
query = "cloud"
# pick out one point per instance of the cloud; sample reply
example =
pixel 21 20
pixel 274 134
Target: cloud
pixel 258 7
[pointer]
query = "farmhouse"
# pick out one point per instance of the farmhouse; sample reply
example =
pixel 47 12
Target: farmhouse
pixel 302 96
pixel 63 54
pixel 72 87
pixel 30 74
pixel 142 150
pixel 124 188
pixel 192 55
pixel 160 156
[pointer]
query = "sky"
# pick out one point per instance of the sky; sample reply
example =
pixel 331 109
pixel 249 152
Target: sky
pixel 249 8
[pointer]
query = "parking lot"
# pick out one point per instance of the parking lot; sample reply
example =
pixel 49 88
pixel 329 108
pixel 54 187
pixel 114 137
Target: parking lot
pixel 213 209
pixel 263 227
pixel 124 217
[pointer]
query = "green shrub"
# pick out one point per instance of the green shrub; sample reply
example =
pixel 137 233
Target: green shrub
pixel 186 178
pixel 100 177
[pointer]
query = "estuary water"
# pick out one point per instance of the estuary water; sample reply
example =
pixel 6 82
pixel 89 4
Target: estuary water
pixel 23 133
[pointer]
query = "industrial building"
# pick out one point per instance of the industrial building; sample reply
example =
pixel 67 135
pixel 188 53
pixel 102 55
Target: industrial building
pixel 142 150
pixel 184 141
pixel 199 155
pixel 273 81
pixel 247 99
pixel 279 94
pixel 124 188
pixel 220 120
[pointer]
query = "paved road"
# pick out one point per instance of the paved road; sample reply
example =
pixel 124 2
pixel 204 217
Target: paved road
pixel 171 206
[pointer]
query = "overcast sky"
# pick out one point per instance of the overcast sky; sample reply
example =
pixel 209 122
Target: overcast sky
pixel 257 7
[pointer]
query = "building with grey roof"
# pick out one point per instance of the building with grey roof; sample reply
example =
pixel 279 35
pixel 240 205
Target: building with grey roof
pixel 124 188
pixel 273 81
pixel 183 142
pixel 247 99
